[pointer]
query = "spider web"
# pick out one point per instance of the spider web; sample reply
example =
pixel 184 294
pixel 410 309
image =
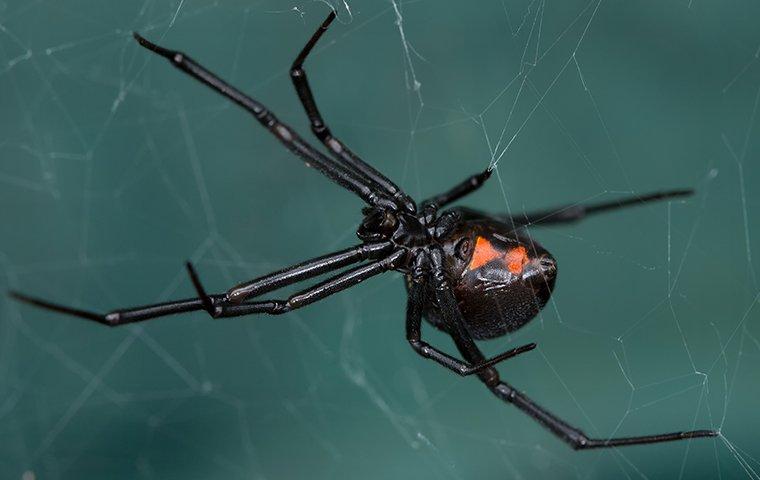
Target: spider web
pixel 115 169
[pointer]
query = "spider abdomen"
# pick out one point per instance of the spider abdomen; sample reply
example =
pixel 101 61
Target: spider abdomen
pixel 501 277
pixel 488 314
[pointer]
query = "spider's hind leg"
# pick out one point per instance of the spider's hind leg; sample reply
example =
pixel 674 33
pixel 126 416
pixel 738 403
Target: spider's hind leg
pixel 573 436
pixel 577 212
pixel 424 349
pixel 454 323
pixel 490 377
pixel 461 189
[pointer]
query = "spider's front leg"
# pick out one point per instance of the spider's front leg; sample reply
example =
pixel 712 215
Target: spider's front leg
pixel 338 149
pixel 227 305
pixel 424 349
pixel 227 308
pixel 348 178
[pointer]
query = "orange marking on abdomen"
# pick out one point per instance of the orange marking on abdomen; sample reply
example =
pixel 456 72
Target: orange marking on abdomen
pixel 515 259
pixel 484 253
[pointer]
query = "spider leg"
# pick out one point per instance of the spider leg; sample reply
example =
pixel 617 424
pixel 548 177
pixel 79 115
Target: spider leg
pixel 573 436
pixel 577 438
pixel 121 316
pixel 424 349
pixel 490 377
pixel 307 269
pixel 313 294
pixel 218 305
pixel 574 213
pixel 208 304
pixel 311 156
pixel 466 187
pixel 322 132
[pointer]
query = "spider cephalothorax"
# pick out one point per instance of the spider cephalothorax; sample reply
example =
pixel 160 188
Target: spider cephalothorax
pixel 472 274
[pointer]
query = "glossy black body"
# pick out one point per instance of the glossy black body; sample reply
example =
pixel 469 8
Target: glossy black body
pixel 493 300
pixel 474 275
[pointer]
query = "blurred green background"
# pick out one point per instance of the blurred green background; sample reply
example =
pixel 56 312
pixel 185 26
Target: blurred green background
pixel 115 168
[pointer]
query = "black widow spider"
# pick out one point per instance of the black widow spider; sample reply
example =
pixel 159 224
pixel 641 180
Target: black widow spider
pixel 471 274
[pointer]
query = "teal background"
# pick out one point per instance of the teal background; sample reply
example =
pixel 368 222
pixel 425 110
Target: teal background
pixel 115 168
